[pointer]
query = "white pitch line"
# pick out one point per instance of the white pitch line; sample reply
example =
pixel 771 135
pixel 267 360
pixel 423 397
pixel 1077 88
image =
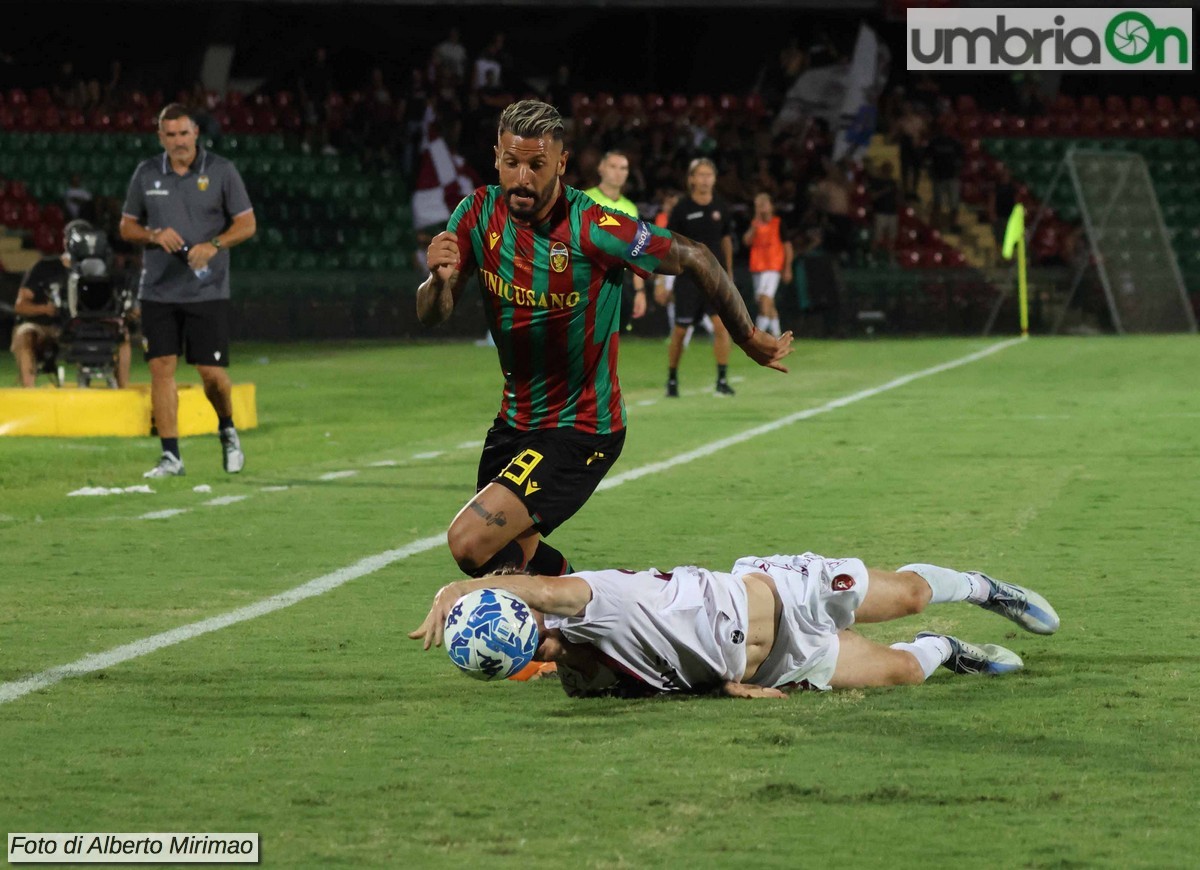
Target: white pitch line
pixel 715 446
pixel 384 463
pixel 99 661
pixel 432 454
pixel 162 515
pixel 225 499
pixel 337 475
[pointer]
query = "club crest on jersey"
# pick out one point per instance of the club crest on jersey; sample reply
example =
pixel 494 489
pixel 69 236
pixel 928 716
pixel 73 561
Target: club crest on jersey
pixel 843 583
pixel 559 257
pixel 492 239
pixel 202 182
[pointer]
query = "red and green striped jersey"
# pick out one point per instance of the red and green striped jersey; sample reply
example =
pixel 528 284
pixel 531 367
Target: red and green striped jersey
pixel 552 294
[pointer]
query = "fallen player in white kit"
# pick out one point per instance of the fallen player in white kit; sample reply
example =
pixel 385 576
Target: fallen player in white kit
pixel 771 624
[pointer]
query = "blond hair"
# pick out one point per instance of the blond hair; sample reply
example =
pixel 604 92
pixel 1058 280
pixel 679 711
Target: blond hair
pixel 531 119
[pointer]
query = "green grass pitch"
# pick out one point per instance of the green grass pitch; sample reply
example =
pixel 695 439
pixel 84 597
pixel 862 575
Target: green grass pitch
pixel 1070 465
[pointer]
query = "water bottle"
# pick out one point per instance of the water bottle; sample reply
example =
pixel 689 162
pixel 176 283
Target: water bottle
pixel 182 254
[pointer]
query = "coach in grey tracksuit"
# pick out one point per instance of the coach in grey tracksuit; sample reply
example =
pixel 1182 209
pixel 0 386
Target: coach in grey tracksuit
pixel 188 206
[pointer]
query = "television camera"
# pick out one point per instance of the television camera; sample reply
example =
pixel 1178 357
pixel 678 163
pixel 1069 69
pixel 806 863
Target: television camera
pixel 96 312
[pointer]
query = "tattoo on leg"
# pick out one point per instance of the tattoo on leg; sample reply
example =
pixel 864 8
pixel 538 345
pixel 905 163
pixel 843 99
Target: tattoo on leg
pixel 493 519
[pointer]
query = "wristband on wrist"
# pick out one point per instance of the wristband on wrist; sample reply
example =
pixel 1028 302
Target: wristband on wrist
pixel 216 242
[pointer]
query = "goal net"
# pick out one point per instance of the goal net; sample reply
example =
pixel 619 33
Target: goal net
pixel 1131 250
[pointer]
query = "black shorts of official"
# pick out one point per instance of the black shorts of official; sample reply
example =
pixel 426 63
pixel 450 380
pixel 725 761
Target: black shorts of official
pixel 691 304
pixel 552 471
pixel 197 331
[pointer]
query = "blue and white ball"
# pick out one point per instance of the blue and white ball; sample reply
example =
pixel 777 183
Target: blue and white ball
pixel 491 634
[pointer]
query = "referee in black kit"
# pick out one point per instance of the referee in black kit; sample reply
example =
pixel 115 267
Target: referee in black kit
pixel 188 207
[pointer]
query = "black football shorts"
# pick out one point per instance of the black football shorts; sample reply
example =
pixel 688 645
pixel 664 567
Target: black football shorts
pixel 198 329
pixel 552 471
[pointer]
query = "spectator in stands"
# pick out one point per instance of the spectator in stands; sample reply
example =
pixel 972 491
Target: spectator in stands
pixel 77 200
pixel 885 203
pixel 560 89
pixel 113 89
pixel 416 105
pixel 452 54
pixel 382 131
pixel 1001 200
pixel 314 85
pixel 831 196
pixel 911 134
pixel 821 50
pixel 489 68
pixel 945 166
pixel 69 90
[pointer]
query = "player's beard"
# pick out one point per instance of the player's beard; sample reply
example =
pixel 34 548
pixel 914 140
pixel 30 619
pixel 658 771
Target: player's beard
pixel 540 200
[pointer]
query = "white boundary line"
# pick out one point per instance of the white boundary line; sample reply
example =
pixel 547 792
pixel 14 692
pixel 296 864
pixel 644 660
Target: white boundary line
pixel 115 656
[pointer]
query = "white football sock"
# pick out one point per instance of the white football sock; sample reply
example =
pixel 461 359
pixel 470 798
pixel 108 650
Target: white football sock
pixel 762 322
pixel 930 652
pixel 773 326
pixel 950 585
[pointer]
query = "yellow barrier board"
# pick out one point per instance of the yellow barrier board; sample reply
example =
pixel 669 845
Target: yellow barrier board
pixel 73 412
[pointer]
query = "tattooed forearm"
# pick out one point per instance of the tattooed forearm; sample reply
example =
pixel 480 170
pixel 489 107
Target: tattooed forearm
pixel 695 259
pixel 492 519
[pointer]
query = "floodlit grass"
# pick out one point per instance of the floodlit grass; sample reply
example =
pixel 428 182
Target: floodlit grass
pixel 1070 465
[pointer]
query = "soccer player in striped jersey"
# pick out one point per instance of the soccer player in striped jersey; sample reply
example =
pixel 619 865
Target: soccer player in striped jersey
pixel 549 262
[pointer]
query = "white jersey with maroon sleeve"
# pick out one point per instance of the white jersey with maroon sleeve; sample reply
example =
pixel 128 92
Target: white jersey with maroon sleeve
pixel 677 631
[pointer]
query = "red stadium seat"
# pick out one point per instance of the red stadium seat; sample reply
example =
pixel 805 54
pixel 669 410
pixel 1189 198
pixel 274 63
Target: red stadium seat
pixel 964 104
pixel 17 191
pixel 10 213
pixel 1063 103
pixel 1139 105
pixel 17 97
pixel 53 215
pixel 729 104
pixel 1091 104
pixel 677 103
pixel 45 239
pixel 75 120
pixel 49 119
pixel 702 106
pixel 1164 104
pixel 754 106
pixel 125 122
pixel 1115 105
pixel 31 214
pixel 284 100
pixel 604 101
pixel 1041 125
pixel 40 97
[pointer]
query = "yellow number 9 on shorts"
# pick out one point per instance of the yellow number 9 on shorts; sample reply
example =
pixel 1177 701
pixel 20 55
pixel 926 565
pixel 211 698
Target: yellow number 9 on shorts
pixel 522 466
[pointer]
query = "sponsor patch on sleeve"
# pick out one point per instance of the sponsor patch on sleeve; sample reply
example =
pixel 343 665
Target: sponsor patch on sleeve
pixel 641 239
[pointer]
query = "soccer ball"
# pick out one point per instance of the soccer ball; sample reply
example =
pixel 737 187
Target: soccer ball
pixel 491 634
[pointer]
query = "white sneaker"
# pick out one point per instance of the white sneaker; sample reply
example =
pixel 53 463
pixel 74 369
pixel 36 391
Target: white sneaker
pixel 169 465
pixel 978 658
pixel 232 456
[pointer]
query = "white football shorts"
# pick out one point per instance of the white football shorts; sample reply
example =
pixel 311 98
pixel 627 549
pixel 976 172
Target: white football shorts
pixel 819 598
